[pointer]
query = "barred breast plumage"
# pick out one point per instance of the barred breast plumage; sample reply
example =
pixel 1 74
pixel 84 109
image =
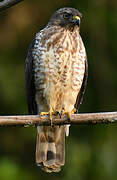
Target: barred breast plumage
pixel 59 66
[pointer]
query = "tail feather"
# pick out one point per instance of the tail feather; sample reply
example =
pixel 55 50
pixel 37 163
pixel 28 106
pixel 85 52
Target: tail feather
pixel 60 146
pixel 50 148
pixel 41 150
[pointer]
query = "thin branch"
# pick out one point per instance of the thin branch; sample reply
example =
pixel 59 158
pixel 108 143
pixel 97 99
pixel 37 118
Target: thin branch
pixel 76 119
pixel 8 3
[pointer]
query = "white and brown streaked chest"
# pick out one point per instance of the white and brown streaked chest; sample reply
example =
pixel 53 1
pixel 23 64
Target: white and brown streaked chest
pixel 59 65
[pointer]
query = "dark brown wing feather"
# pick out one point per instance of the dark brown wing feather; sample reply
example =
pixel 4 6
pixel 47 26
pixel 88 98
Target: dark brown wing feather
pixel 83 87
pixel 30 86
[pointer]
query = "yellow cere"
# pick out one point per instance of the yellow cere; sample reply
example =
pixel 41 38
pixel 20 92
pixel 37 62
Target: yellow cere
pixel 76 18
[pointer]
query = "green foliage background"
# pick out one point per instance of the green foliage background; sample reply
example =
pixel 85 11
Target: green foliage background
pixel 91 151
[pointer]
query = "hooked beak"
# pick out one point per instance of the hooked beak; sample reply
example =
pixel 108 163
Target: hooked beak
pixel 76 20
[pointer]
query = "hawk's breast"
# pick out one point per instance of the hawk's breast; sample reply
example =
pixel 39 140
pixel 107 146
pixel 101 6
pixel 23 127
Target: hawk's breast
pixel 59 65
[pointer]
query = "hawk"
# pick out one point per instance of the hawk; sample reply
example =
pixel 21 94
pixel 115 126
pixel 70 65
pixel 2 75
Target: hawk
pixel 56 76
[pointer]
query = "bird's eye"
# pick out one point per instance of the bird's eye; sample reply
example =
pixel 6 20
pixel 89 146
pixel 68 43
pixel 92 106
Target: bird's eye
pixel 66 15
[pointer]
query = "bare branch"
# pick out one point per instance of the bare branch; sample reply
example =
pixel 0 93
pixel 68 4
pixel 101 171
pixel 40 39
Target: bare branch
pixel 76 119
pixel 8 3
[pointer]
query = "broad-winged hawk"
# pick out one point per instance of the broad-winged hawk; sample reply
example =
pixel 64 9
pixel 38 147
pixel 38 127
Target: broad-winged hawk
pixel 56 75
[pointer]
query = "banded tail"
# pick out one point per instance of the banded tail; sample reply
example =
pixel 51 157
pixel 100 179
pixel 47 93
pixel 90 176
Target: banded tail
pixel 50 147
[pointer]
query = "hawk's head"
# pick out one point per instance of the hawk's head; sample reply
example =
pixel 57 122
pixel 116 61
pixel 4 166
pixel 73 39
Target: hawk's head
pixel 66 17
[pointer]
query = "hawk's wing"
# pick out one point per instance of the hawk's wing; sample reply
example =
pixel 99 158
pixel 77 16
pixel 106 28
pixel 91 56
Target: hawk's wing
pixel 30 86
pixel 83 87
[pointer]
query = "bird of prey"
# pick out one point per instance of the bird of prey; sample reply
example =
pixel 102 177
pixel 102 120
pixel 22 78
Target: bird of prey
pixel 56 76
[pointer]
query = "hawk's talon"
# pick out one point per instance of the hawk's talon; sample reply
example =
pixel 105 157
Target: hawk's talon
pixel 50 113
pixel 73 111
pixel 69 114
pixel 44 113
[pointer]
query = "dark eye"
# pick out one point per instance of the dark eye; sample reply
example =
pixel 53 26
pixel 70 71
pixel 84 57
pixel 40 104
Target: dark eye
pixel 66 16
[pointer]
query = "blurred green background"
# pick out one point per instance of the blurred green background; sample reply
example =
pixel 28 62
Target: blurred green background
pixel 91 151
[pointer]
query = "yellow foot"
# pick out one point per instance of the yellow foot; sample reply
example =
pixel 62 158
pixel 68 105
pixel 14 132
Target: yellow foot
pixel 44 113
pixel 50 113
pixel 73 111
pixel 69 113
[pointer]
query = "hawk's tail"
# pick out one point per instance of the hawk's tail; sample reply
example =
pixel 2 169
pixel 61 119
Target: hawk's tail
pixel 50 147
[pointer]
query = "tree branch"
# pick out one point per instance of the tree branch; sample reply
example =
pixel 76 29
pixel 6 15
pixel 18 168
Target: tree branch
pixel 8 3
pixel 76 119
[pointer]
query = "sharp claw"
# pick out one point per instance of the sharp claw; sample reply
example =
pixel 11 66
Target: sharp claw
pixel 69 113
pixel 44 113
pixel 51 112
pixel 73 111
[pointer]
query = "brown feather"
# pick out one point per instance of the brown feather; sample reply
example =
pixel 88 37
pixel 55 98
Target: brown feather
pixel 83 88
pixel 30 86
pixel 50 148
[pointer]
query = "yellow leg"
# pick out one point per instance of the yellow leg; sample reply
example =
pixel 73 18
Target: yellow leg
pixel 73 111
pixel 50 113
pixel 69 113
pixel 44 113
